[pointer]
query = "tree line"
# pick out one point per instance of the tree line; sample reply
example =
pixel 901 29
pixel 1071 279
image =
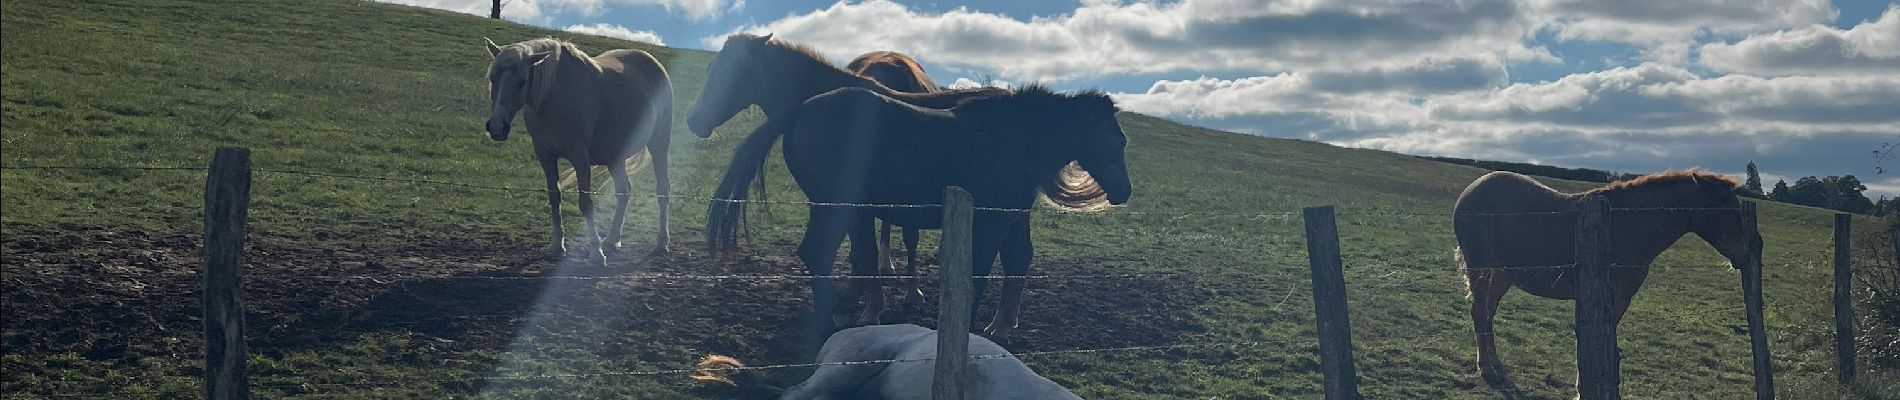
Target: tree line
pixel 1843 193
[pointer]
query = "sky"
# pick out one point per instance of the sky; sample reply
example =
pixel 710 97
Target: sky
pixel 1801 87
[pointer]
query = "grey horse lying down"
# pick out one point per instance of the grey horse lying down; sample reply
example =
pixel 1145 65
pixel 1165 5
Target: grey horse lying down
pixel 997 375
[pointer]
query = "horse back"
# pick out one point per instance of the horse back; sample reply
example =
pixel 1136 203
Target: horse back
pixel 1505 219
pixel 894 70
pixel 637 103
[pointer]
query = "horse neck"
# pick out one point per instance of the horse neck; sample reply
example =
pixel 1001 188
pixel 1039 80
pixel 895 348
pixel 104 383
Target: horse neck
pixel 806 77
pixel 572 69
pixel 1642 235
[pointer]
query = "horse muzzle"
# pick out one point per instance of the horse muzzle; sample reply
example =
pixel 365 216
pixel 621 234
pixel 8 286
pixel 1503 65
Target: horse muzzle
pixel 699 127
pixel 498 130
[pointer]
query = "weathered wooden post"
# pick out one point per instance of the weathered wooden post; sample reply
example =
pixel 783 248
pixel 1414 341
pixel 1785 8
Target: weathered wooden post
pixel 1329 304
pixel 227 197
pixel 1844 296
pixel 1751 298
pixel 953 303
pixel 1599 376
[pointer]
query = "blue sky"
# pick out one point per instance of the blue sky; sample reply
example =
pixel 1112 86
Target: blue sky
pixel 1802 87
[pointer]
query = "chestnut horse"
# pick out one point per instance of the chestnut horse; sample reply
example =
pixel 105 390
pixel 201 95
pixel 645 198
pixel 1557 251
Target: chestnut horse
pixel 1506 220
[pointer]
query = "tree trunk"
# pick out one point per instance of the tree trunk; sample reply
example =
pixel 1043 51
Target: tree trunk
pixel 495 12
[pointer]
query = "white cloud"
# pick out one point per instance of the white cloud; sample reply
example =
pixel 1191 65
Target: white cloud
pixel 967 83
pixel 617 31
pixel 1653 22
pixel 1871 47
pixel 542 12
pixel 1642 118
pixel 1104 37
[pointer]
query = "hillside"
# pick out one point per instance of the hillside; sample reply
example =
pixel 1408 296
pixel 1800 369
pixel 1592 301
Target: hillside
pixel 365 288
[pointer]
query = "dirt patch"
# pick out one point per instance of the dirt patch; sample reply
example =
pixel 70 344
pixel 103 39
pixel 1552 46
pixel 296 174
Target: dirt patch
pixel 115 294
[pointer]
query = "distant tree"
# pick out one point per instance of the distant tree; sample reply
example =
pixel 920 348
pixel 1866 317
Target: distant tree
pixel 495 12
pixel 1808 191
pixel 1846 193
pixel 1752 187
pixel 1781 192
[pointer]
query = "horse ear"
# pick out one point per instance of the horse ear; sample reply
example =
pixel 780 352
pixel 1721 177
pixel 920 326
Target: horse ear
pixel 493 50
pixel 766 39
pixel 537 58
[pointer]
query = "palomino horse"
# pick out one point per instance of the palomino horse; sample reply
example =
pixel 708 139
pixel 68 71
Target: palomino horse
pixel 606 110
pixel 850 369
pixel 857 146
pixel 1506 220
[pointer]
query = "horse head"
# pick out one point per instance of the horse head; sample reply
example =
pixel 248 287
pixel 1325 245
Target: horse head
pixel 1103 145
pixel 1689 201
pixel 1719 222
pixel 731 84
pixel 510 75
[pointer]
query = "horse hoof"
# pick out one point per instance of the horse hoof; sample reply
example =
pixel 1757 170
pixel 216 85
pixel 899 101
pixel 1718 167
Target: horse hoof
pixel 1497 380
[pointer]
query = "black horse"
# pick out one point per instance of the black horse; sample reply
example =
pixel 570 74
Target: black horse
pixel 858 146
pixel 777 76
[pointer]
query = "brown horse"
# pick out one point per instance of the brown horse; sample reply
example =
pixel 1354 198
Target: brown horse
pixel 606 110
pixel 1506 220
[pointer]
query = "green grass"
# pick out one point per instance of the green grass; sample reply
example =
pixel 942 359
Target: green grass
pixel 365 88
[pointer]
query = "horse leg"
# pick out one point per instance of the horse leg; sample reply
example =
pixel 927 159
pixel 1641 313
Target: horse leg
pixel 824 232
pixel 550 168
pixel 1016 252
pixel 914 297
pixel 583 173
pixel 623 188
pixel 1622 306
pixel 663 190
pixel 1487 288
pixel 985 240
pixel 865 261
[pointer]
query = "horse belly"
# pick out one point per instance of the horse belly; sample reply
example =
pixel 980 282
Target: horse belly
pixel 1552 283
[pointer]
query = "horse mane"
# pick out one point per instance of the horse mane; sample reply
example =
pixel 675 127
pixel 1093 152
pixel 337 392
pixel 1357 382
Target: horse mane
pixel 1693 176
pixel 550 44
pixel 1038 98
pixel 1071 188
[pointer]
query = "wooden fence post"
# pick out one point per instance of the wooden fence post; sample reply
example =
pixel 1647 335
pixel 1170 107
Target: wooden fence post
pixel 1599 374
pixel 1844 296
pixel 1751 298
pixel 227 197
pixel 953 304
pixel 1329 304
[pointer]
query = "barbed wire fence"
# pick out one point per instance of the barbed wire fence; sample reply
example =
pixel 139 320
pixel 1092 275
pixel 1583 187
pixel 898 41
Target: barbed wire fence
pixel 1337 372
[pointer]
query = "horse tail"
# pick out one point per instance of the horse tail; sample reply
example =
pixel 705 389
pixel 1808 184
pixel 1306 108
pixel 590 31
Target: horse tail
pixel 1073 189
pixel 718 370
pixel 747 161
pixel 1458 256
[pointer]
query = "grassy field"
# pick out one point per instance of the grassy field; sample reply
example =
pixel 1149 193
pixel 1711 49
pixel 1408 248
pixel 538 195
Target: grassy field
pixel 360 288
